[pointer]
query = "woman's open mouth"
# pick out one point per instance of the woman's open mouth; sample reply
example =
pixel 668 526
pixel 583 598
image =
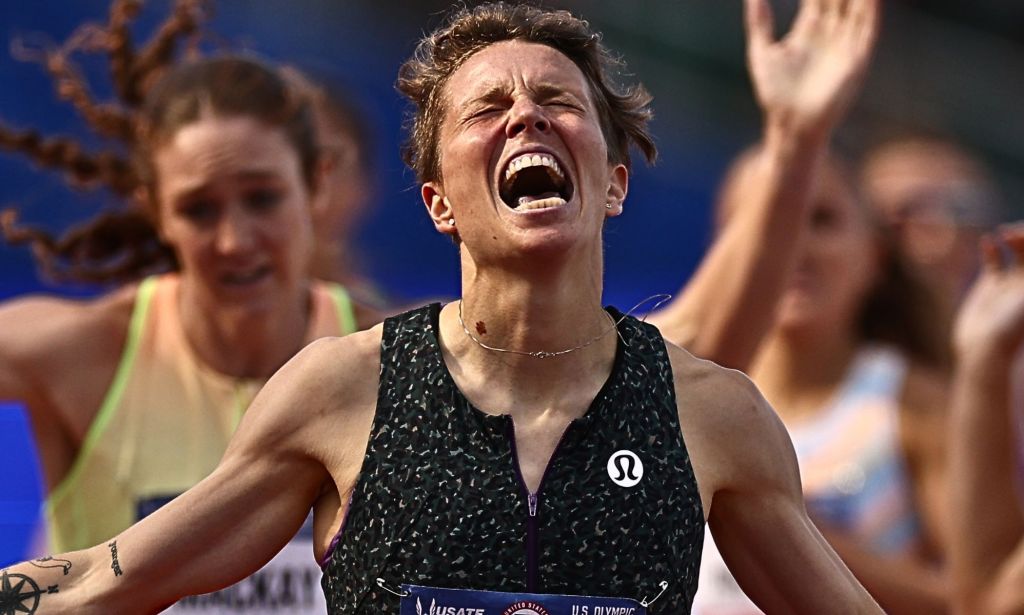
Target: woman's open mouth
pixel 534 181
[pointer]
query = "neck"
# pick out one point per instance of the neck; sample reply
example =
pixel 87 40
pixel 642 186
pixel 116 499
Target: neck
pixel 542 313
pixel 798 374
pixel 240 342
pixel 333 260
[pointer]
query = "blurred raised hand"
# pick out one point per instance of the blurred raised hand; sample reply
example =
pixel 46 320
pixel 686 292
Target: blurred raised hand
pixel 808 78
pixel 991 319
pixel 987 519
pixel 804 83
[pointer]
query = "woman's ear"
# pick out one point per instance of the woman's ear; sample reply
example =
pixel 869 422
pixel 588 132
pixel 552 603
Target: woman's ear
pixel 618 186
pixel 439 208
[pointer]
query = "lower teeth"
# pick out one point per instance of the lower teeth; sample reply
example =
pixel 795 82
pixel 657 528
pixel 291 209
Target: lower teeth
pixel 528 203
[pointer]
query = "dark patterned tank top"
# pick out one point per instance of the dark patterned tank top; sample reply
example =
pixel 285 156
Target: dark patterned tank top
pixel 440 500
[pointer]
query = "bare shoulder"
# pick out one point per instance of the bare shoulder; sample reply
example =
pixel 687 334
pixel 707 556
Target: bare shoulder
pixel 36 327
pixel 714 399
pixel 45 340
pixel 732 434
pixel 321 394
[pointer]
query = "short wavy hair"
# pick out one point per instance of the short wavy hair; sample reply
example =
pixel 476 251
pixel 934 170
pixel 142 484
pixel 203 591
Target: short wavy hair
pixel 624 112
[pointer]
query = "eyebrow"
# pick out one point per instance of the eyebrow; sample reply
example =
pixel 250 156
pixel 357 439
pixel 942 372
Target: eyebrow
pixel 546 91
pixel 250 175
pixel 494 93
pixel 497 92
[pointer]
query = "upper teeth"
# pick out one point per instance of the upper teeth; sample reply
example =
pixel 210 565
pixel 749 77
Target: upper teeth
pixel 532 160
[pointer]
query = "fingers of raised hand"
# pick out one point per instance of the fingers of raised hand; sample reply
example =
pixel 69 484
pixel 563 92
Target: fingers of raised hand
pixel 1012 236
pixel 1003 250
pixel 865 16
pixel 991 258
pixel 834 14
pixel 760 23
pixel 838 20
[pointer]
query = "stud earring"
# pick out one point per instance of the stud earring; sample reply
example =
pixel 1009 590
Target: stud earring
pixel 608 205
pixel 451 221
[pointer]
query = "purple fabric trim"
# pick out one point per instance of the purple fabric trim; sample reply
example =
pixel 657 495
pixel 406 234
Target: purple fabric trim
pixel 533 521
pixel 532 554
pixel 337 537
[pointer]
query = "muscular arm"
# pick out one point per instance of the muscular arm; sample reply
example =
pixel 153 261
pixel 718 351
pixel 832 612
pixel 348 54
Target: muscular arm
pixel 232 522
pixel 749 482
pixel 804 84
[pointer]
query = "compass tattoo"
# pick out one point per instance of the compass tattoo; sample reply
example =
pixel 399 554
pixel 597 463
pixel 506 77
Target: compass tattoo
pixel 20 594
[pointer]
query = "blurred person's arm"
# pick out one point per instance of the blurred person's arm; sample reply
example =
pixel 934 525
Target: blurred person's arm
pixel 300 442
pixel 57 360
pixel 804 85
pixel 987 523
pixel 901 585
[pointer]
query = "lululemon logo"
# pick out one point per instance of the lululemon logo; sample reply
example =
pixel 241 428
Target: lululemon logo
pixel 625 468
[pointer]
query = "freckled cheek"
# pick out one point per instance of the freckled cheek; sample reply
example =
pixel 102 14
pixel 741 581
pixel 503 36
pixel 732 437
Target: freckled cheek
pixel 587 134
pixel 466 178
pixel 471 154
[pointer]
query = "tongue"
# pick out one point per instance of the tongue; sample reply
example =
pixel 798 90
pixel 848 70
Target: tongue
pixel 529 198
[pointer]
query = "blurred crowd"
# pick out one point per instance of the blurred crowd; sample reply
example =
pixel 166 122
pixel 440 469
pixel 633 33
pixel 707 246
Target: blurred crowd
pixel 891 354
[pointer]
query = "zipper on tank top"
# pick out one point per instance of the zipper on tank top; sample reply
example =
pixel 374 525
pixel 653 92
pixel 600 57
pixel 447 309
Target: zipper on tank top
pixel 532 507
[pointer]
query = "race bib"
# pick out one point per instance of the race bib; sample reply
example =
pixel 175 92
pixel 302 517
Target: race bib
pixel 420 600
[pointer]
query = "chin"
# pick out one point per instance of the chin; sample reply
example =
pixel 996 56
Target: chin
pixel 254 297
pixel 552 243
pixel 795 314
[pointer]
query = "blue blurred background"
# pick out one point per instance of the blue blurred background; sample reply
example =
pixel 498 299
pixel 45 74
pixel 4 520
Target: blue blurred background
pixel 943 67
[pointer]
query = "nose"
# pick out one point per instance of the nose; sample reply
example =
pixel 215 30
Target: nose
pixel 235 232
pixel 526 115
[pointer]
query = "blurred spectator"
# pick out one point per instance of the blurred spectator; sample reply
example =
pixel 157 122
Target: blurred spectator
pixel 938 200
pixel 347 189
pixel 851 367
pixel 133 396
pixel 804 84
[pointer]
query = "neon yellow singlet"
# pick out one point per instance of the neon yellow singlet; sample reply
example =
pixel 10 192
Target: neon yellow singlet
pixel 165 421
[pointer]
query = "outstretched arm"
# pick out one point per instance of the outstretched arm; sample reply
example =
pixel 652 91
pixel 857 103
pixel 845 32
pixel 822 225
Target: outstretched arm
pixel 987 537
pixel 219 531
pixel 804 85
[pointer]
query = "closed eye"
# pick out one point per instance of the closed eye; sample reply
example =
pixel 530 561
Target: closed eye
pixel 262 199
pixel 198 211
pixel 563 103
pixel 483 112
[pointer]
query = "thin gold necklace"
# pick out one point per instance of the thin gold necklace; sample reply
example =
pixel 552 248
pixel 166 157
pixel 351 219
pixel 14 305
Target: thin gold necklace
pixel 542 354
